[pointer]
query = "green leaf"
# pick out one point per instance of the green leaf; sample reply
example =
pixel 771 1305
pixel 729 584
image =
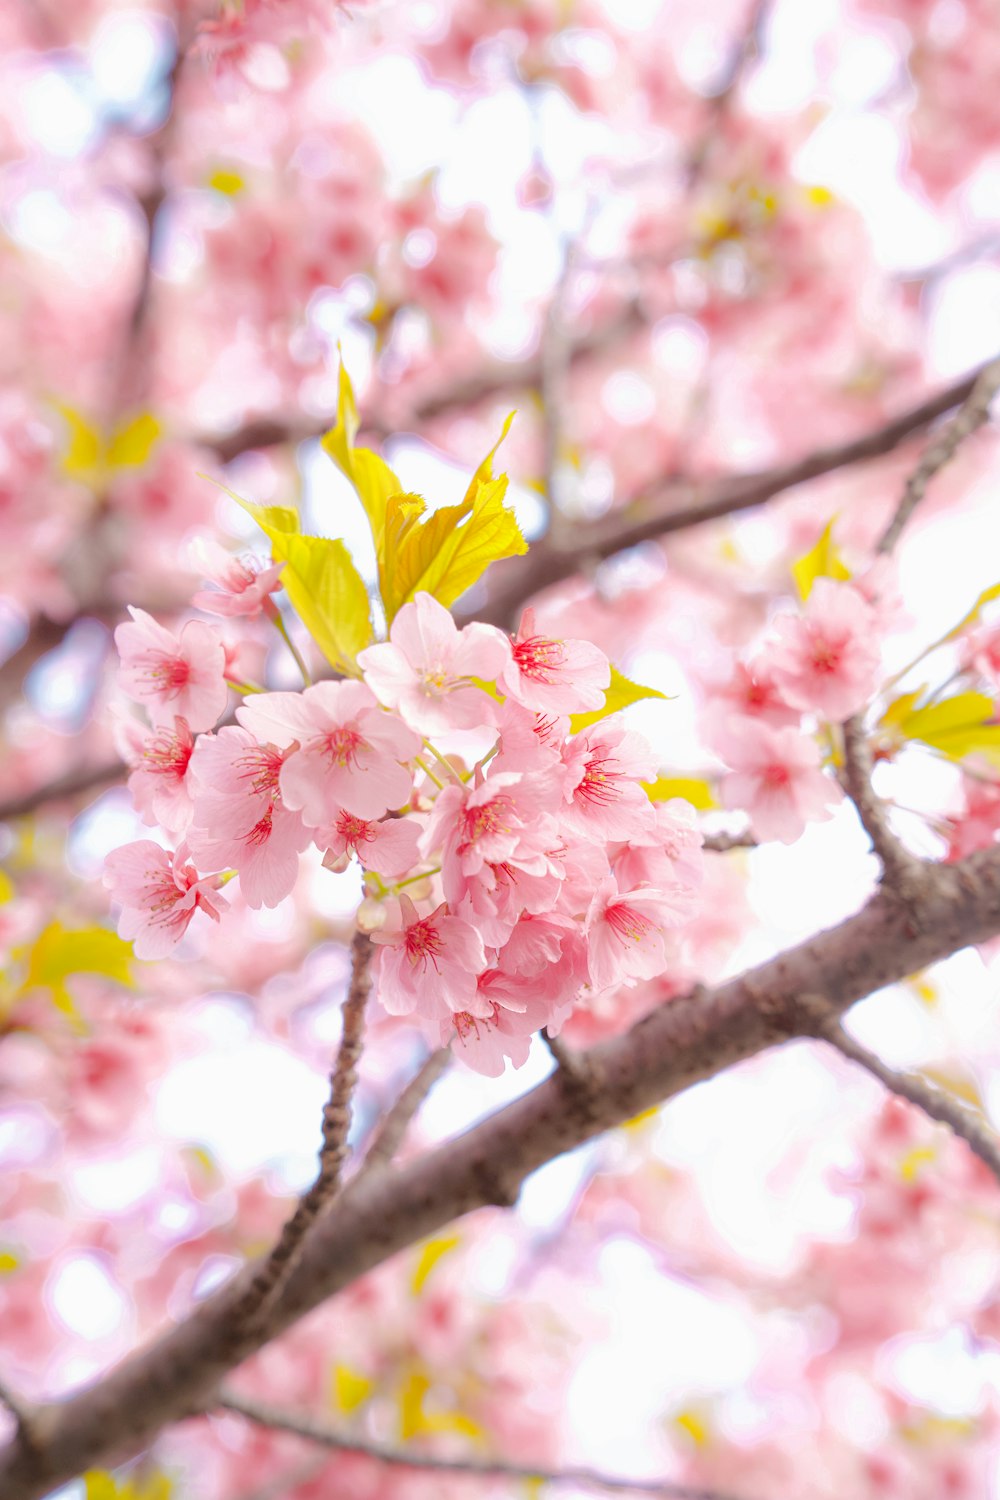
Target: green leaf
pixel 60 952
pixel 821 561
pixel 621 692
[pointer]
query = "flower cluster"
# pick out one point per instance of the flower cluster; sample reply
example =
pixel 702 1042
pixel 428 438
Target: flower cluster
pixel 823 663
pixel 503 890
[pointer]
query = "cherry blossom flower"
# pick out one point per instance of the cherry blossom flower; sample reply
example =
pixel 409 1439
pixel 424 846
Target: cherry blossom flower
pixel 160 762
pixel 527 740
pixel 827 660
pixel 554 676
pixel 625 934
pixel 604 765
pixel 429 964
pixel 390 847
pixel 174 677
pixel 427 666
pixel 240 820
pixel 501 821
pixel 242 586
pixel 776 779
pixel 668 856
pixel 159 894
pixel 348 754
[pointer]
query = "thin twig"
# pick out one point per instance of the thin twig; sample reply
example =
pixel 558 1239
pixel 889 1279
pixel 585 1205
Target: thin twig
pixel 921 1091
pixel 721 843
pixel 316 1431
pixel 389 1134
pixel 273 1273
pixel 744 51
pixel 972 414
pixel 901 870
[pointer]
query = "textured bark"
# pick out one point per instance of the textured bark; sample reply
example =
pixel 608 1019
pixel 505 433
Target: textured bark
pixel 687 1040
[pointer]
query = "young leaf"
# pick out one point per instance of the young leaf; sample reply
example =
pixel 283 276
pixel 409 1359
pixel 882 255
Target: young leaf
pixel 370 475
pixel 692 788
pixel 957 727
pixel 60 952
pixel 621 692
pixel 327 593
pixel 821 561
pixel 430 1253
pixel 450 551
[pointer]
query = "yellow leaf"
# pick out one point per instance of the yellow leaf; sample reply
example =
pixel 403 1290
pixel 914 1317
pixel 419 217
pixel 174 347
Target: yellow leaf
pixel 962 1085
pixel 370 475
pixel 957 726
pixel 821 561
pixel 91 456
pixel 100 1485
pixel 932 1428
pixel 413 1419
pixel 269 518
pixel 986 597
pixel 350 1390
pixel 83 458
pixel 132 444
pixel 819 197
pixel 227 182
pixel 621 692
pixel 485 470
pixel 913 1163
pixel 6 888
pixel 430 1253
pixel 59 952
pixel 446 553
pixel 694 1423
pixel 692 788
pixel 9 1262
pixel 641 1119
pixel 327 593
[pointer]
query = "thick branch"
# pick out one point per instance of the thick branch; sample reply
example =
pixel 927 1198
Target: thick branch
pixel 316 1431
pixel 683 1042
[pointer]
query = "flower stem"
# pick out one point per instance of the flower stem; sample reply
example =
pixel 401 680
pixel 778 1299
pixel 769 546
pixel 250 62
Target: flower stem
pixel 283 632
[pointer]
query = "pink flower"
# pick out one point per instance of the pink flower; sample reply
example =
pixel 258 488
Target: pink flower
pixel 625 934
pixel 429 964
pixel 425 669
pixel 174 677
pixel 485 1041
pixel 752 692
pixel 505 820
pixel 776 779
pixel 159 781
pixel 827 660
pixel 390 847
pixel 980 652
pixel 240 820
pixel 668 857
pixel 242 586
pixel 554 676
pixel 159 895
pixel 347 752
pixel 604 765
pixel 528 740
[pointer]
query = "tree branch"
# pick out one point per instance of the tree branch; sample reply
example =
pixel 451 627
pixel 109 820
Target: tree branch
pixel 685 1041
pixel 926 1095
pixel 388 1135
pixel 973 413
pixel 315 1431
pixel 902 871
pixel 250 1315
